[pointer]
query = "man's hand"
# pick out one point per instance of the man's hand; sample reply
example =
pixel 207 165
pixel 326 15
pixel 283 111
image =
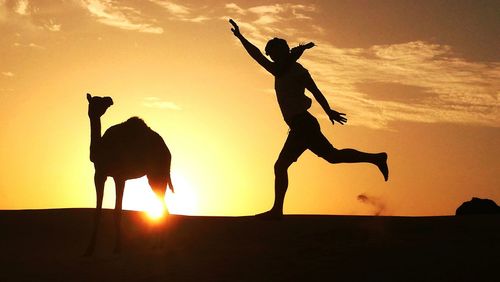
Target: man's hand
pixel 336 116
pixel 235 29
pixel 308 45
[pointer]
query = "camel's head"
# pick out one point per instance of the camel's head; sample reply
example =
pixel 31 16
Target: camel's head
pixel 98 105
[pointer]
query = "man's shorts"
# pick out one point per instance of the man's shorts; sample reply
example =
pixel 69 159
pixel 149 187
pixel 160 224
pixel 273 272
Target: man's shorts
pixel 305 133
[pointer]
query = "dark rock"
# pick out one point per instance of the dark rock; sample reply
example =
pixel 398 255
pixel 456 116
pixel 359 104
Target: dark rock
pixel 478 206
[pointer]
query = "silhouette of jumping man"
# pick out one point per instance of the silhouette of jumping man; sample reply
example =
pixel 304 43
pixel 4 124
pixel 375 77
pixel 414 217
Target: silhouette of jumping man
pixel 291 80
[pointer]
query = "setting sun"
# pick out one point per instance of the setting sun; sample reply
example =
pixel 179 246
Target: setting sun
pixel 155 209
pixel 139 196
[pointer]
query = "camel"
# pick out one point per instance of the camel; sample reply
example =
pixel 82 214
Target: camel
pixel 126 151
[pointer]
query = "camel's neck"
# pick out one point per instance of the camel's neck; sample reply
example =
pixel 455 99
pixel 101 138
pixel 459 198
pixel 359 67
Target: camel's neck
pixel 95 133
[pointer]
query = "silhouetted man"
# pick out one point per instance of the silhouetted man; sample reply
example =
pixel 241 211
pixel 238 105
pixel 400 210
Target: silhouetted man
pixel 291 80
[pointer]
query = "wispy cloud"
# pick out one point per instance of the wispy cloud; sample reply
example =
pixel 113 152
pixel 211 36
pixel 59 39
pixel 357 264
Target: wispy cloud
pixel 22 7
pixel 124 17
pixel 265 21
pixel 234 8
pixel 451 88
pixel 28 45
pixel 31 15
pixel 155 102
pixel 443 86
pixel 181 12
pixel 7 73
pixel 50 25
pixel 172 7
pixel 268 9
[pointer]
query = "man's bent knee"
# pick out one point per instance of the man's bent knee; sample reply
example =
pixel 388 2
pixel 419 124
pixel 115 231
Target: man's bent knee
pixel 333 156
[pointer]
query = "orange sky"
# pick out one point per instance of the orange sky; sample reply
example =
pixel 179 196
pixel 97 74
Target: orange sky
pixel 420 81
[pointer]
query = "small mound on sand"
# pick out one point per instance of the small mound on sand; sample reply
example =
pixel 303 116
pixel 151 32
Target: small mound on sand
pixel 478 206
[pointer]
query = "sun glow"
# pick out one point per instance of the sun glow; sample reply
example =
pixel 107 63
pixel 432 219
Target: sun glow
pixel 139 196
pixel 184 200
pixel 155 209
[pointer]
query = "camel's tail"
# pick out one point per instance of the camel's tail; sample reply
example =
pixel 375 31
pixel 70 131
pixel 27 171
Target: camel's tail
pixel 169 182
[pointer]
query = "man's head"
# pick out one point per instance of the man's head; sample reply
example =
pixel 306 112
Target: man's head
pixel 277 49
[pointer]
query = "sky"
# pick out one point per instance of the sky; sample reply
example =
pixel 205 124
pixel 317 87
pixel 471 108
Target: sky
pixel 419 80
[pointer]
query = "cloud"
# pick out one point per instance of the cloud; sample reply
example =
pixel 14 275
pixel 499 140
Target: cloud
pixel 34 45
pixel 33 16
pixel 413 81
pixel 197 19
pixel 28 45
pixel 266 19
pixel 22 7
pixel 50 25
pixel 123 17
pixel 298 10
pixel 7 73
pixel 232 7
pixel 172 7
pixel 181 12
pixel 263 22
pixel 155 102
pixel 267 14
pixel 450 89
pixel 268 9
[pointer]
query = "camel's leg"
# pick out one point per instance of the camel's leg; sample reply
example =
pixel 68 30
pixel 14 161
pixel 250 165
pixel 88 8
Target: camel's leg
pixel 161 196
pixel 159 187
pixel 99 181
pixel 120 186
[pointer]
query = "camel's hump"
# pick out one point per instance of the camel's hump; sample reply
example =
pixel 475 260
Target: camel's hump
pixel 135 122
pixel 132 126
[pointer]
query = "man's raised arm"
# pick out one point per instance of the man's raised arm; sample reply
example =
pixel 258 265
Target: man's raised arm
pixel 252 50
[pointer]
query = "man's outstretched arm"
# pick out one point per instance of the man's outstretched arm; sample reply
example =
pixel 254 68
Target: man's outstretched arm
pixel 332 114
pixel 252 50
pixel 296 52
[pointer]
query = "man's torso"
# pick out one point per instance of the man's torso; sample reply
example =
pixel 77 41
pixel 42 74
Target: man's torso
pixel 290 91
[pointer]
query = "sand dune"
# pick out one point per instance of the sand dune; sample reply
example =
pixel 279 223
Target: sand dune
pixel 47 245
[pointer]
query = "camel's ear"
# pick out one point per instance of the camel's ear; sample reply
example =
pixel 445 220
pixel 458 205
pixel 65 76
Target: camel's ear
pixel 89 97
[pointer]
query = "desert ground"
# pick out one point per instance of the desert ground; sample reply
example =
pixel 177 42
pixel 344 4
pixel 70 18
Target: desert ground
pixel 47 245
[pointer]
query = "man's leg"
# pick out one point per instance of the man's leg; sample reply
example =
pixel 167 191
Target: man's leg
pixel 293 148
pixel 323 148
pixel 355 156
pixel 280 185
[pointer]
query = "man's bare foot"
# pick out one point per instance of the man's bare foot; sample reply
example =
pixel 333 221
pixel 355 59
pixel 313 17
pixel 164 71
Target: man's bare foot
pixel 270 215
pixel 382 165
